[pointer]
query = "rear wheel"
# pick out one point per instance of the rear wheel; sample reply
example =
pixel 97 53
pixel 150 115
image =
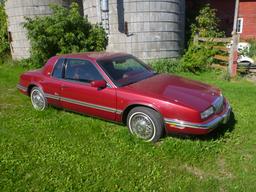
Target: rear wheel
pixel 145 123
pixel 38 100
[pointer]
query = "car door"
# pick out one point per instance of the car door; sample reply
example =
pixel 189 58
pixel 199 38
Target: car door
pixel 52 85
pixel 77 94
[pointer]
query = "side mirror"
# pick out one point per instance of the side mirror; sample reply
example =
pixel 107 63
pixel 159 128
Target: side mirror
pixel 100 84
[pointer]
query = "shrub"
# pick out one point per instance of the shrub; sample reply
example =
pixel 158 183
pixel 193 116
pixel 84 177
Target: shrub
pixel 198 58
pixel 206 23
pixel 4 43
pixel 166 65
pixel 65 31
pixel 252 51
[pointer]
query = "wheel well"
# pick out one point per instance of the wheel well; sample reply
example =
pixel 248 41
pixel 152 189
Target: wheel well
pixel 129 108
pixel 30 87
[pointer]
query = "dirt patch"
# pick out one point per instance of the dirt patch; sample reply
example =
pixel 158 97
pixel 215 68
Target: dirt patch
pixel 201 174
pixel 196 171
pixel 223 169
pixel 251 78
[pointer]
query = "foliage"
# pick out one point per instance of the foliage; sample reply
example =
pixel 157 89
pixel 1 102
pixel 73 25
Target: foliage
pixel 166 65
pixel 206 23
pixel 198 57
pixel 28 63
pixel 97 40
pixel 4 43
pixel 65 31
pixel 252 50
pixel 56 150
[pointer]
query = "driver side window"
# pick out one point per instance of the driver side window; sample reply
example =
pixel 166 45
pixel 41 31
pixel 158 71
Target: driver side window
pixel 81 70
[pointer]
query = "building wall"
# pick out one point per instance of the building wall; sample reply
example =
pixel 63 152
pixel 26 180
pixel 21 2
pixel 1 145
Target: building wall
pixel 155 27
pixel 247 11
pixel 92 10
pixel 16 11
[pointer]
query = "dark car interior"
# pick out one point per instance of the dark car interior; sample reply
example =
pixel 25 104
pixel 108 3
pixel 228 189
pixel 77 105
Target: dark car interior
pixel 81 70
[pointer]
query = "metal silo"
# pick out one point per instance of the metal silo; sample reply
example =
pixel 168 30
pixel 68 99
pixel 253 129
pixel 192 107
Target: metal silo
pixel 16 11
pixel 147 28
pixel 92 9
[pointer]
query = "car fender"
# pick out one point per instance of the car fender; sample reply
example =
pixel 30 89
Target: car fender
pixel 138 103
pixel 245 59
pixel 34 83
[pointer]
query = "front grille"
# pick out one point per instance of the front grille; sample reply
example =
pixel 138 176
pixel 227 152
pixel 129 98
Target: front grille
pixel 218 104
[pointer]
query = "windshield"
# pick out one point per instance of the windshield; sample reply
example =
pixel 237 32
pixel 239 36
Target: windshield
pixel 125 70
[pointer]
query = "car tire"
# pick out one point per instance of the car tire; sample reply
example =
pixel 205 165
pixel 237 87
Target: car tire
pixel 38 100
pixel 145 123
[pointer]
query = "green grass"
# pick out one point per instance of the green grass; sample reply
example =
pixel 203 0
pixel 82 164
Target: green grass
pixel 55 150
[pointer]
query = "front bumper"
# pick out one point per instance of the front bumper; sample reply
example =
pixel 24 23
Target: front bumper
pixel 178 126
pixel 22 89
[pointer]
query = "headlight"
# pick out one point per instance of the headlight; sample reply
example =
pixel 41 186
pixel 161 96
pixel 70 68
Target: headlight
pixel 208 112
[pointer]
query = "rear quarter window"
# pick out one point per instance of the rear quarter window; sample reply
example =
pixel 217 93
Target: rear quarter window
pixel 58 69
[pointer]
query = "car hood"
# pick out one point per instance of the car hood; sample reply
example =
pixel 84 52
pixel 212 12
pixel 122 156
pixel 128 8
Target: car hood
pixel 178 90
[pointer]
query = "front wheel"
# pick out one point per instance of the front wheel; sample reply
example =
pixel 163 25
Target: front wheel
pixel 145 123
pixel 38 100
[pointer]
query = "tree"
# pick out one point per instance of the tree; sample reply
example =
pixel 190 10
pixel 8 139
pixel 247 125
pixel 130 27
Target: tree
pixel 198 57
pixel 206 23
pixel 4 43
pixel 65 31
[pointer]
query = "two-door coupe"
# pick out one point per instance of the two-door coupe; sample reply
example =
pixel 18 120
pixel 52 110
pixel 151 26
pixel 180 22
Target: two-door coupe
pixel 121 88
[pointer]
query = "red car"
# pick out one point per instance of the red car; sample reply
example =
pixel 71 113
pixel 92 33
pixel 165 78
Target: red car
pixel 119 87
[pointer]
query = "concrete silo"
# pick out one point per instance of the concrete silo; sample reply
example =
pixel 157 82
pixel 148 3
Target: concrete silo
pixel 146 28
pixel 16 11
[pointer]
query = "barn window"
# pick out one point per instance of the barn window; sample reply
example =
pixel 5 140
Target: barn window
pixel 239 28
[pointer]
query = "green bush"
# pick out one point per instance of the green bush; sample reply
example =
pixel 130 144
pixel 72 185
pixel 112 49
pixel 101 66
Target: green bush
pixel 252 51
pixel 4 44
pixel 206 23
pixel 166 65
pixel 198 58
pixel 65 31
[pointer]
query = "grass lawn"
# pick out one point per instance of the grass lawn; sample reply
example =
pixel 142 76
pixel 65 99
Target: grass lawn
pixel 55 150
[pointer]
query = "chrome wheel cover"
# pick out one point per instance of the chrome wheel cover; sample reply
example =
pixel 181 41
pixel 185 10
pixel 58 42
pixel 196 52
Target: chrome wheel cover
pixel 142 126
pixel 38 100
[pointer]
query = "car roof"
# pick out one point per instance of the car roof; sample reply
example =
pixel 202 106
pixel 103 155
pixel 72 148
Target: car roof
pixel 93 55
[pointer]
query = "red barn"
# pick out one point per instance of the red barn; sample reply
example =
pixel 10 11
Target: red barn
pixel 246 22
pixel 247 19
